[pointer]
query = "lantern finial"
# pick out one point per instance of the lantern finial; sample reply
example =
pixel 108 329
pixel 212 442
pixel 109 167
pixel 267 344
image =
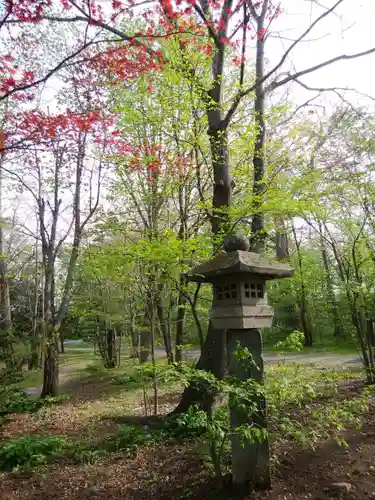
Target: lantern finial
pixel 234 242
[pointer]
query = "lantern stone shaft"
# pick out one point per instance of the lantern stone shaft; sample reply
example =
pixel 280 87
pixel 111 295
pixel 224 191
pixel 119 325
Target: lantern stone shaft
pixel 240 307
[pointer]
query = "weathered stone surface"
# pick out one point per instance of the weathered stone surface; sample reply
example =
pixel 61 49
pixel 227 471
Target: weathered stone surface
pixel 250 460
pixel 232 243
pixel 233 317
pixel 239 261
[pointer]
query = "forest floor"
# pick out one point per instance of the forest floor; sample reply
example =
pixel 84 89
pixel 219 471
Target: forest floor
pixel 94 417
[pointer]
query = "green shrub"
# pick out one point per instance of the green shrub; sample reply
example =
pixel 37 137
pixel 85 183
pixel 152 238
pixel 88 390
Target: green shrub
pixel 130 437
pixel 13 401
pixel 82 454
pixel 293 342
pixel 125 379
pixel 29 451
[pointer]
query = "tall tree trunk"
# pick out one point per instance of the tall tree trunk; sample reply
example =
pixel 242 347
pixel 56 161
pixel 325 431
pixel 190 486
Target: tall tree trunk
pixel 62 347
pixel 370 339
pixel 51 364
pixel 213 357
pixel 281 240
pixel 145 334
pixel 51 351
pixel 34 361
pixel 6 343
pixel 133 337
pixel 304 319
pixel 164 327
pixel 337 323
pixel 111 348
pixel 361 335
pixel 180 322
pixel 258 235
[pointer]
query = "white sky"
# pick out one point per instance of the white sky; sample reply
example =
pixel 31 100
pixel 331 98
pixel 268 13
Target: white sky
pixel 349 30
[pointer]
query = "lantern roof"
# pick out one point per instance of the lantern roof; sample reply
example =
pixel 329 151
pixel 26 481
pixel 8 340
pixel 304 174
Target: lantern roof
pixel 239 262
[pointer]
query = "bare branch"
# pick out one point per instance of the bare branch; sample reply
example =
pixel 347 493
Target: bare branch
pixel 252 9
pixel 343 57
pixel 243 93
pixel 332 89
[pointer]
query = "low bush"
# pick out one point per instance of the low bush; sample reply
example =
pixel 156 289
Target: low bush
pixel 14 401
pixel 29 451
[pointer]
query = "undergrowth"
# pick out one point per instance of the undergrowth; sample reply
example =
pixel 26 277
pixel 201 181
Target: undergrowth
pixel 302 408
pixel 14 401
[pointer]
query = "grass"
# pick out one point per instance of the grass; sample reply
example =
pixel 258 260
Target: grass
pixel 317 348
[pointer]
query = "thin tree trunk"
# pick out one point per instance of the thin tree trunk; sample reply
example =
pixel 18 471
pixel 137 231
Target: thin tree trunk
pixel 62 347
pixel 370 339
pixel 51 366
pixel 163 326
pixel 111 348
pixel 180 322
pixel 119 349
pixel 50 247
pixel 305 323
pixel 154 379
pixel 361 338
pixel 134 339
pixel 145 334
pixel 51 363
pixel 34 361
pixel 6 343
pixel 337 323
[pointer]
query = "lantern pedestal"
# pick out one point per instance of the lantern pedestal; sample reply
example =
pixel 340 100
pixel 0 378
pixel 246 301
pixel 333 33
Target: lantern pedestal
pixel 250 460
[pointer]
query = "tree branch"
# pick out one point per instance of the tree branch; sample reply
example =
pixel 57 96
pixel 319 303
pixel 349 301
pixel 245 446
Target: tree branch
pixel 48 75
pixel 206 23
pixel 343 57
pixel 332 89
pixel 246 92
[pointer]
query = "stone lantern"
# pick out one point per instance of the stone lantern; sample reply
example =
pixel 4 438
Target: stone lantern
pixel 240 307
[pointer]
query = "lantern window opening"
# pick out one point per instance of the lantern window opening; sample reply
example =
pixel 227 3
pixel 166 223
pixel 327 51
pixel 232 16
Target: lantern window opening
pixel 247 286
pixel 252 286
pixel 253 294
pixel 247 295
pixel 234 294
